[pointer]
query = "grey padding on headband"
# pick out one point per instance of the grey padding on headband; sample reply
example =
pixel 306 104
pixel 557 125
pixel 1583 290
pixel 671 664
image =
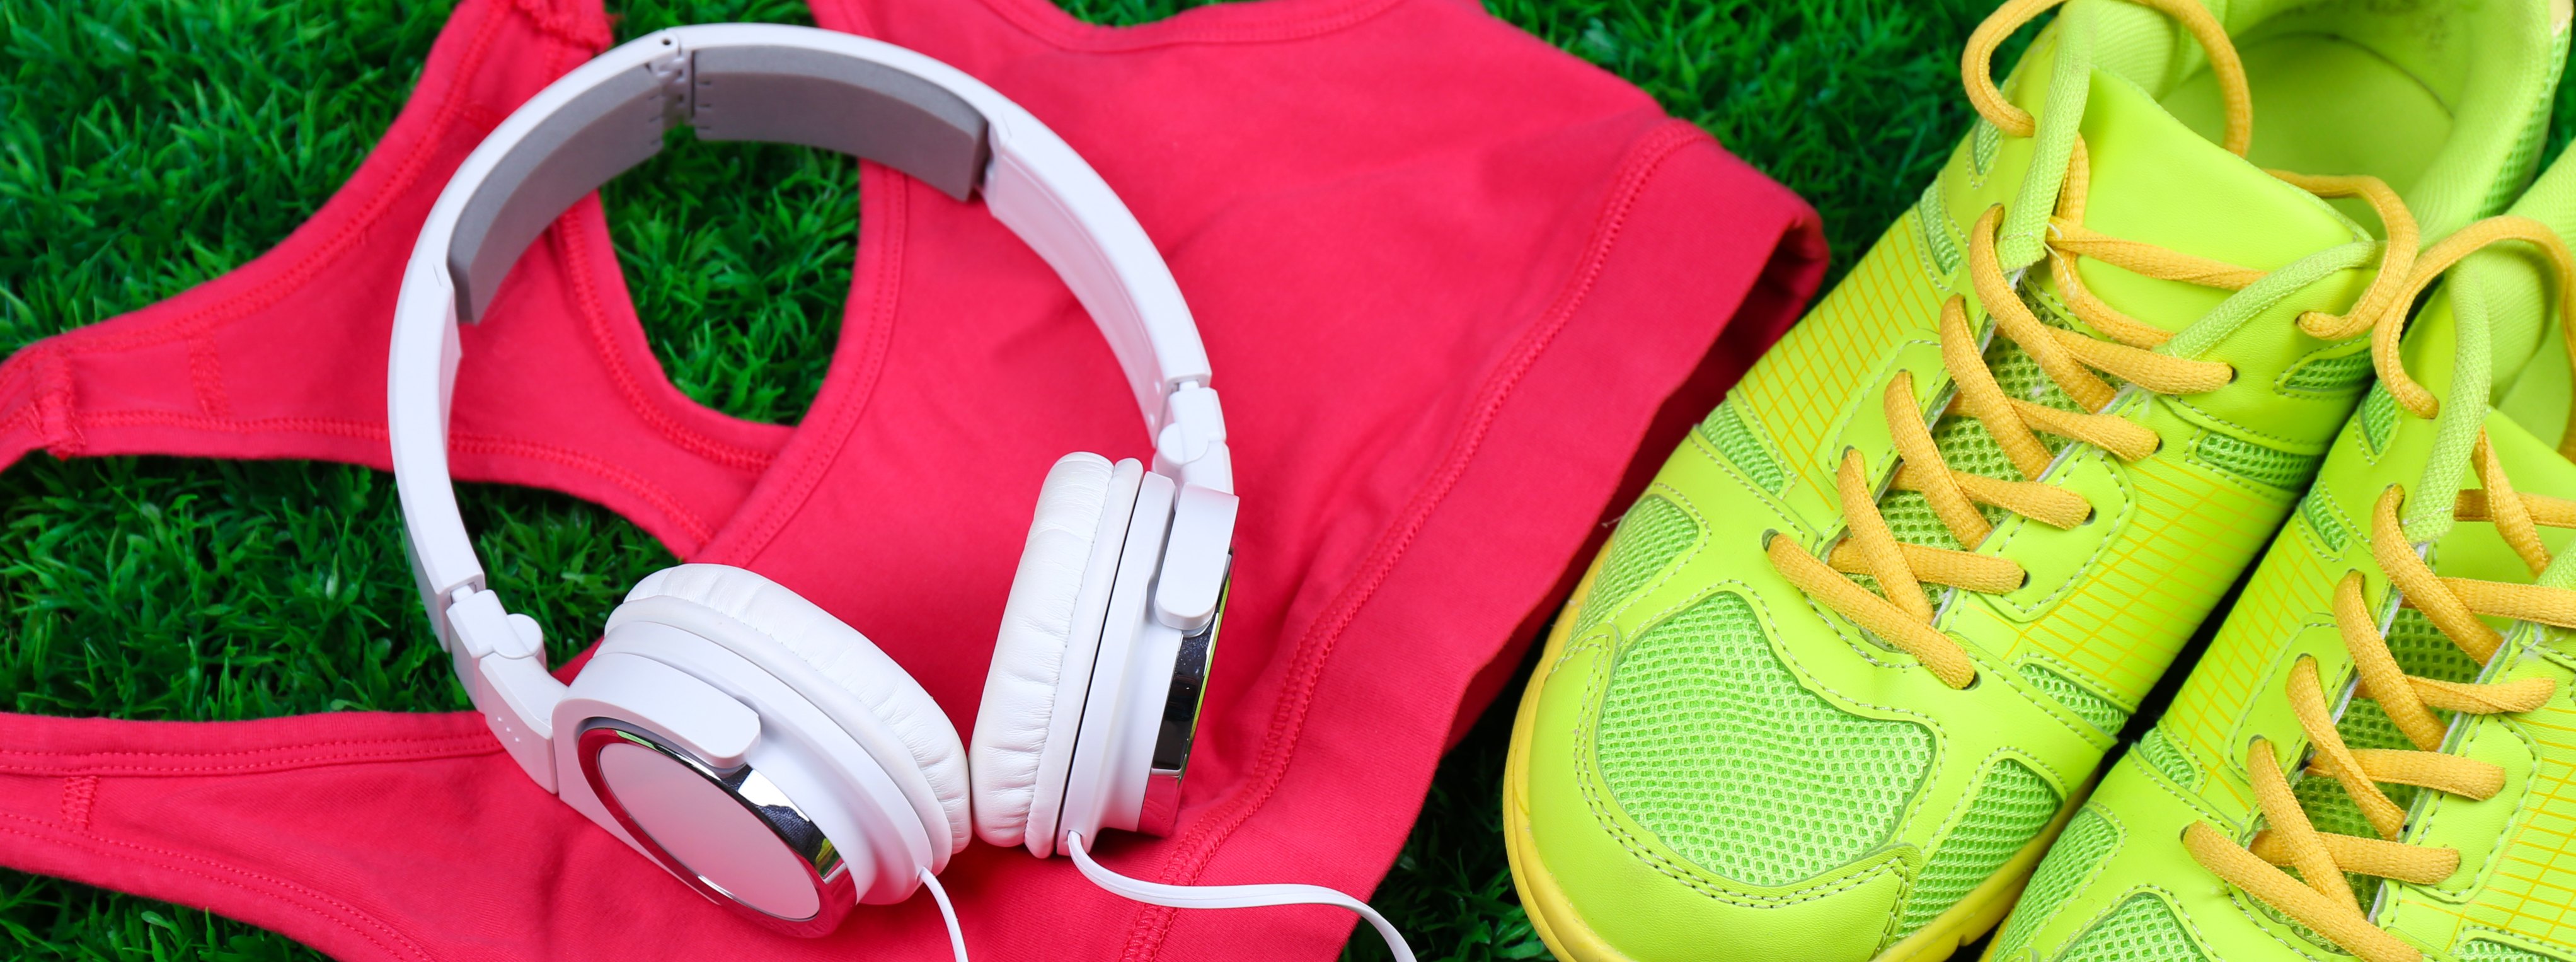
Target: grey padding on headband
pixel 775 94
pixel 600 134
pixel 821 99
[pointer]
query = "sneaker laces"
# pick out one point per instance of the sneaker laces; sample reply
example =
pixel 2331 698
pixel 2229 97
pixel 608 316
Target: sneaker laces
pixel 2320 897
pixel 2140 355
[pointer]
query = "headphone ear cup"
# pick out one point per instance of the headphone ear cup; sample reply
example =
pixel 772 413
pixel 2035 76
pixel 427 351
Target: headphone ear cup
pixel 842 670
pixel 1048 612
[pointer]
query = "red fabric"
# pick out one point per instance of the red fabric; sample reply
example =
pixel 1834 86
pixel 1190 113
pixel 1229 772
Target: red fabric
pixel 1450 278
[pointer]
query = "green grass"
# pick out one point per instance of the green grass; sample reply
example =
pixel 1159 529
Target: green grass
pixel 145 147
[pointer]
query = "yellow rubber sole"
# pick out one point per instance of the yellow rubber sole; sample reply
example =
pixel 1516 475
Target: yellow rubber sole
pixel 1553 916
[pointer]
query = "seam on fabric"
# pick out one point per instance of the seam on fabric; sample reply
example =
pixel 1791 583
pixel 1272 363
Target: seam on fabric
pixel 653 494
pixel 231 752
pixel 143 765
pixel 629 482
pixel 890 224
pixel 22 419
pixel 45 411
pixel 1060 30
pixel 1192 852
pixel 291 891
pixel 78 792
pixel 575 252
pixel 205 375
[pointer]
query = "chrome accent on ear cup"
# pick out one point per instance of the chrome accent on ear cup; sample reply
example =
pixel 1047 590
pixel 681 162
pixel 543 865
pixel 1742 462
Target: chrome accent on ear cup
pixel 814 855
pixel 1180 726
pixel 1162 809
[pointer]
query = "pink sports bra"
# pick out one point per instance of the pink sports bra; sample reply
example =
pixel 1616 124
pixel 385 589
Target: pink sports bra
pixel 1455 280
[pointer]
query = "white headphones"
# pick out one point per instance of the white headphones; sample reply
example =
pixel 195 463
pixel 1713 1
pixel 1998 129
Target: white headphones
pixel 739 736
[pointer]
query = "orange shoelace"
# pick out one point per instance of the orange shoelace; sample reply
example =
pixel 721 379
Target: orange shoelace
pixel 1899 613
pixel 2319 897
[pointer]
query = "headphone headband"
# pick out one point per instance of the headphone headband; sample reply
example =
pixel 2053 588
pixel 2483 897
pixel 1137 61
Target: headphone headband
pixel 1154 580
pixel 788 84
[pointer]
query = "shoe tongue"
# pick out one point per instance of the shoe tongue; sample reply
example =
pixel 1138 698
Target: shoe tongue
pixel 2517 285
pixel 2158 182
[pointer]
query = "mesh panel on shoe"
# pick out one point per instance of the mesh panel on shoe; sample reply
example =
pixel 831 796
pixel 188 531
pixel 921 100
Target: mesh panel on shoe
pixel 2326 372
pixel 2378 417
pixel 2089 838
pixel 2423 650
pixel 2326 518
pixel 2159 751
pixel 2420 649
pixel 2009 810
pixel 1726 429
pixel 1709 742
pixel 1963 440
pixel 2254 462
pixel 1910 516
pixel 1934 219
pixel 1654 533
pixel 2142 929
pixel 1985 140
pixel 2485 951
pixel 2096 710
pixel 1964 443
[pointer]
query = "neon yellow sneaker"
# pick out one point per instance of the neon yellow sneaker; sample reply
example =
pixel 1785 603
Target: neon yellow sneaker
pixel 2385 714
pixel 1861 647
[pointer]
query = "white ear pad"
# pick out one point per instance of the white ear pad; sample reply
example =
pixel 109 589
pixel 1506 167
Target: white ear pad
pixel 1058 599
pixel 777 628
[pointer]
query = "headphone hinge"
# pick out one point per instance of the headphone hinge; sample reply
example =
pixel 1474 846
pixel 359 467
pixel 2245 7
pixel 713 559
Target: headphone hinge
pixel 501 658
pixel 1190 442
pixel 676 69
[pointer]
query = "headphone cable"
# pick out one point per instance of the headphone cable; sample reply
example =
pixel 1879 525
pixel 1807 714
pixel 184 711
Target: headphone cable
pixel 1231 896
pixel 956 936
